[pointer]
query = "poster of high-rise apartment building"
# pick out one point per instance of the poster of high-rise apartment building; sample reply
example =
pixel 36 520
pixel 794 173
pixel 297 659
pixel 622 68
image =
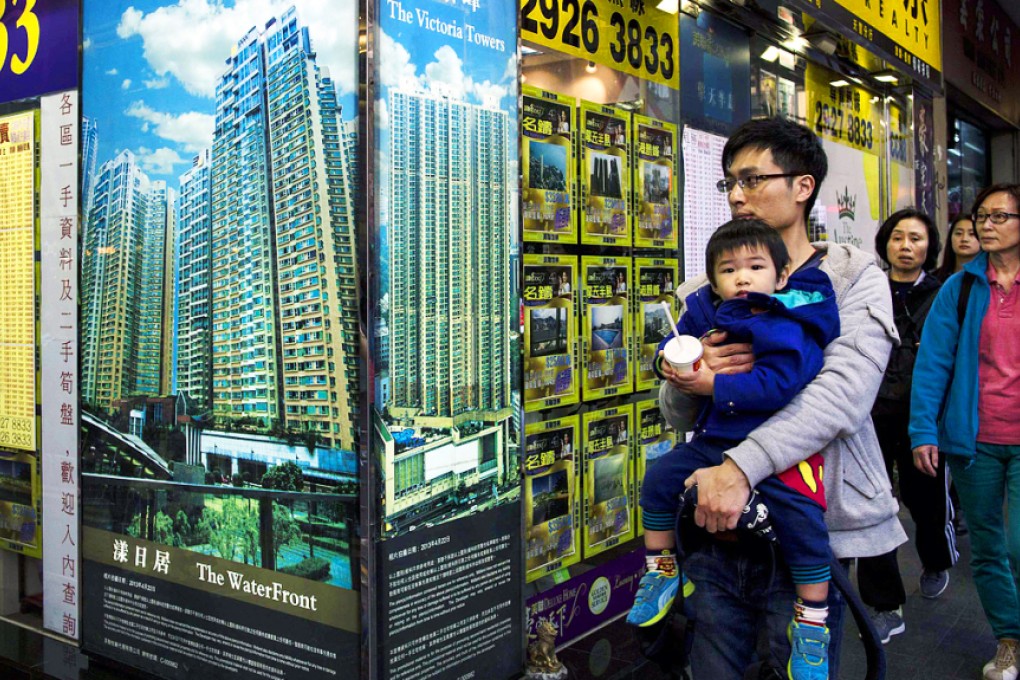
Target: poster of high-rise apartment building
pixel 445 347
pixel 548 166
pixel 604 145
pixel 655 279
pixel 550 297
pixel 655 192
pixel 220 365
pixel 444 296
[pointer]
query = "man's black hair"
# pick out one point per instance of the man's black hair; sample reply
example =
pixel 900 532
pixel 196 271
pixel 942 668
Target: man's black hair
pixel 886 230
pixel 795 149
pixel 737 234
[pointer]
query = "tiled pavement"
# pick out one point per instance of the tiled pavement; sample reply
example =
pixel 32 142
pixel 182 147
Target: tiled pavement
pixel 946 639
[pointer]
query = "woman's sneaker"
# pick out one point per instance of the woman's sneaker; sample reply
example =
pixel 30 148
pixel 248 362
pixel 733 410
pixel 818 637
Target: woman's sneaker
pixel 1004 665
pixel 889 623
pixel 809 651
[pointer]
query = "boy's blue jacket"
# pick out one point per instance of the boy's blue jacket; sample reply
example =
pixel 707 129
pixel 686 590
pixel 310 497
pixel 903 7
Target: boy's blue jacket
pixel 788 340
pixel 944 395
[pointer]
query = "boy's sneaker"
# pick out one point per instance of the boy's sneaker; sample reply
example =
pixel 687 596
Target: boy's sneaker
pixel 809 651
pixel 888 624
pixel 1004 665
pixel 933 583
pixel 655 596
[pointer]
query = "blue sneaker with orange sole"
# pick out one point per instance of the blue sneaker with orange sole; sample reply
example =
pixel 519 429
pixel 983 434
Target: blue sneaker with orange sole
pixel 655 596
pixel 809 652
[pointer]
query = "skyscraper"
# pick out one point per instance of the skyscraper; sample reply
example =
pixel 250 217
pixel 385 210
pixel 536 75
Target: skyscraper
pixel 449 273
pixel 284 297
pixel 89 144
pixel 155 306
pixel 112 281
pixel 193 296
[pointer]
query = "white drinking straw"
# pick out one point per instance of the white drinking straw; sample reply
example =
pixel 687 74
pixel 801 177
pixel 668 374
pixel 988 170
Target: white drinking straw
pixel 669 315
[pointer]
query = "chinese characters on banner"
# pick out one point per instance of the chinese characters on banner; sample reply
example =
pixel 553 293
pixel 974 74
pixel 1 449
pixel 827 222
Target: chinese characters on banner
pixel 59 360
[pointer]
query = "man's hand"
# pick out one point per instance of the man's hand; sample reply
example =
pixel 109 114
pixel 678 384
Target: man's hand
pixel 723 491
pixel 926 459
pixel 700 383
pixel 726 359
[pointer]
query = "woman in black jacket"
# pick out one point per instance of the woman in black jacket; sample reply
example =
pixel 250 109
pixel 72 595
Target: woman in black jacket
pixel 909 244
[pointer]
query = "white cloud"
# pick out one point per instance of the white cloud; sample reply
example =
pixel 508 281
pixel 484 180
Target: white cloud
pixel 156 83
pixel 192 130
pixel 446 76
pixel 395 67
pixel 191 39
pixel 489 94
pixel 158 162
pixel 126 84
pixel 112 72
pixel 382 114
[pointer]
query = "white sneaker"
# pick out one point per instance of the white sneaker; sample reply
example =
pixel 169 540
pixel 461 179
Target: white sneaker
pixel 1004 665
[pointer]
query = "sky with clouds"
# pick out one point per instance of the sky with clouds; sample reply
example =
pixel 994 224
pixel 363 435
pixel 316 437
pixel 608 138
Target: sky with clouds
pixel 151 69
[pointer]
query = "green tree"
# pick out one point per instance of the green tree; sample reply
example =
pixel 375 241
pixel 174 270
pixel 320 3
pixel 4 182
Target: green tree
pixel 284 477
pixel 285 528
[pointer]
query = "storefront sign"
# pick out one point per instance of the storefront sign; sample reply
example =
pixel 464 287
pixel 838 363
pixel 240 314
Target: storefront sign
pixel 38 47
pixel 907 33
pixel 845 115
pixel 913 25
pixel 59 265
pixel 635 38
pixel 981 55
pixel 924 157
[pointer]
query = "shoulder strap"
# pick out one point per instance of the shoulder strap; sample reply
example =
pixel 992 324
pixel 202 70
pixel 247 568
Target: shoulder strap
pixel 961 302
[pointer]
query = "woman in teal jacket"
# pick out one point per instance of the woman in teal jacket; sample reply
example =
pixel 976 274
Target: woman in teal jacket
pixel 964 403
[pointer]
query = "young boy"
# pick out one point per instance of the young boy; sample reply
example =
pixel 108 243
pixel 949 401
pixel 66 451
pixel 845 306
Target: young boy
pixel 747 263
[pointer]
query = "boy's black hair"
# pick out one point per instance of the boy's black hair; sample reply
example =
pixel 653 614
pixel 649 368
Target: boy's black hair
pixel 795 149
pixel 737 234
pixel 885 233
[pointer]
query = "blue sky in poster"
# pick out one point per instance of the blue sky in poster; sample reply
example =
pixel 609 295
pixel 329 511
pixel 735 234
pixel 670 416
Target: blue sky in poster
pixel 151 68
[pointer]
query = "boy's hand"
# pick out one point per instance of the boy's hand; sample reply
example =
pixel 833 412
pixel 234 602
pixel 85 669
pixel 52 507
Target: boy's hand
pixel 700 382
pixel 726 359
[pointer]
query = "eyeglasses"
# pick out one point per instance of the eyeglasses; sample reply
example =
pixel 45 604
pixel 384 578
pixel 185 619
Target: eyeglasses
pixel 750 182
pixel 996 217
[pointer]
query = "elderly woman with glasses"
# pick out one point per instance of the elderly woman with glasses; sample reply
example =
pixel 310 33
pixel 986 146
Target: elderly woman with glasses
pixel 964 404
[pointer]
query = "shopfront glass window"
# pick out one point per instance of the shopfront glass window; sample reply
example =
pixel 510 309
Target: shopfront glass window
pixel 968 165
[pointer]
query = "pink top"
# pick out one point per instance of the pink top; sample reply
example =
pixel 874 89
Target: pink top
pixel 999 366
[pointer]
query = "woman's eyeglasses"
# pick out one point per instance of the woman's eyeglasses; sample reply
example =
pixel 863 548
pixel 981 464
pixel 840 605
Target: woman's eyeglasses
pixel 750 182
pixel 997 217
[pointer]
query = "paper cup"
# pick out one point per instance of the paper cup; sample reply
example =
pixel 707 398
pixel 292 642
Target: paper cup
pixel 683 353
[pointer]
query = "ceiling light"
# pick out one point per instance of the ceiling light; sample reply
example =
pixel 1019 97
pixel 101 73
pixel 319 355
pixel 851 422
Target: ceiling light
pixel 669 6
pixel 591 67
pixel 770 54
pixel 886 77
pixel 839 83
pixel 823 41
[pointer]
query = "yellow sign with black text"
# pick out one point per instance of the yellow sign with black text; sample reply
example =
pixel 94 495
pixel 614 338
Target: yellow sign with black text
pixel 633 37
pixel 914 26
pixel 845 115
